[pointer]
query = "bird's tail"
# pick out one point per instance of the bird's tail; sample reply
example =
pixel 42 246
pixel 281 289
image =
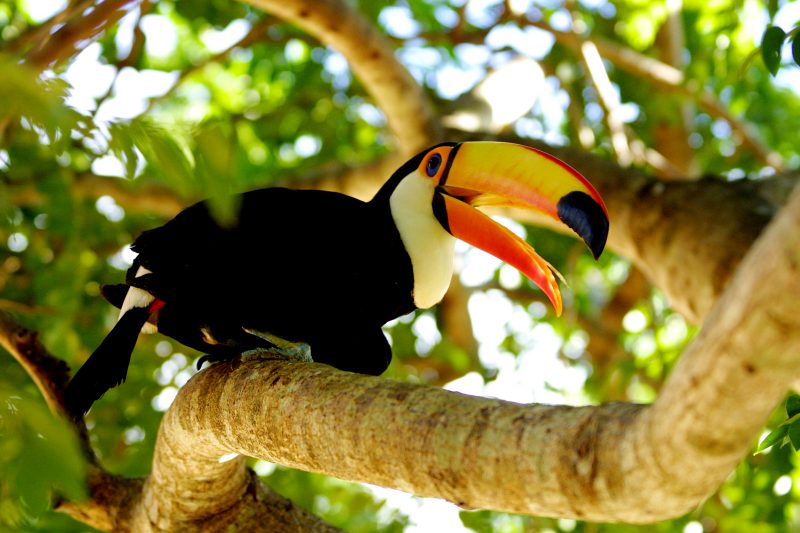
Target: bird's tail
pixel 107 367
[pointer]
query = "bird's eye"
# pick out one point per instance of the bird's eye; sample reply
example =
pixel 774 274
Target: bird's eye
pixel 433 165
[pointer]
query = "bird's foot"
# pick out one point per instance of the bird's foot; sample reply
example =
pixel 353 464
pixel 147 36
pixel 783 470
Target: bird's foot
pixel 210 358
pixel 297 351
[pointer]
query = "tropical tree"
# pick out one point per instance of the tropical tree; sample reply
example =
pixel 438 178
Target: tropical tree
pixel 643 404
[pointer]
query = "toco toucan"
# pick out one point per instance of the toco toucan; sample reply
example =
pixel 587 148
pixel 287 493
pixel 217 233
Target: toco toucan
pixel 326 270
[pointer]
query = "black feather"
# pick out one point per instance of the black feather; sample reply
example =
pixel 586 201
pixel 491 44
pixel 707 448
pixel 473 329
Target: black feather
pixel 107 367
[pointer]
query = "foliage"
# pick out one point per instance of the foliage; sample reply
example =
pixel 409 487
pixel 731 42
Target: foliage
pixel 341 503
pixel 38 454
pixel 772 43
pixel 789 430
pixel 166 101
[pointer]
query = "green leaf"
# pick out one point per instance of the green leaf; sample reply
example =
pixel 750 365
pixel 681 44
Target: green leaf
pixel 792 405
pixel 771 45
pixel 40 456
pixel 773 438
pixel 216 170
pixel 772 7
pixel 23 94
pixel 793 432
pixel 791 420
pixel 796 49
pixel 479 521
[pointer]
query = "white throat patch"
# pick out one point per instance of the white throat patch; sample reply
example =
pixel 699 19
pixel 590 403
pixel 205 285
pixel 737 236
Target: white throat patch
pixel 427 243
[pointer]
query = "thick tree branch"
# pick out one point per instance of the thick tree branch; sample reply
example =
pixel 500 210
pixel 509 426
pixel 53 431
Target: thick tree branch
pixel 615 462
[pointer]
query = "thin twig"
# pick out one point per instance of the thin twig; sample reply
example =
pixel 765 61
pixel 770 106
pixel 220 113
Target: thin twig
pixel 607 98
pixel 19 307
pixel 671 79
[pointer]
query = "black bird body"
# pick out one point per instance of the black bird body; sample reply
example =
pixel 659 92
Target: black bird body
pixel 328 270
pixel 296 268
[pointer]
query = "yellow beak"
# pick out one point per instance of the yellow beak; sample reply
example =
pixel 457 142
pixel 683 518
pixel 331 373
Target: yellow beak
pixel 502 174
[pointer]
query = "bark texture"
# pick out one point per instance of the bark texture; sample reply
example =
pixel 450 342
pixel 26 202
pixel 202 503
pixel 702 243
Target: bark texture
pixel 615 462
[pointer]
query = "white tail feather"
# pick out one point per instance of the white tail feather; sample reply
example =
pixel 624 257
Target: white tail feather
pixel 138 298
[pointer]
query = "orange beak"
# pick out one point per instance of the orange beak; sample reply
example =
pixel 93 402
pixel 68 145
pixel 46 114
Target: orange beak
pixel 510 175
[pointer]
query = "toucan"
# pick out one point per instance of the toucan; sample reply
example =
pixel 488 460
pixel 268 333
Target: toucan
pixel 325 271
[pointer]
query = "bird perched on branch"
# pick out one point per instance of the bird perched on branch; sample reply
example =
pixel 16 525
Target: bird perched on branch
pixel 304 271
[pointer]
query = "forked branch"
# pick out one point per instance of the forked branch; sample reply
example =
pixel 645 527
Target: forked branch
pixel 615 462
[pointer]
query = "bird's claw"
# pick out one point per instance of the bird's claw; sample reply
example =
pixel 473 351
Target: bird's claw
pixel 209 358
pixel 281 348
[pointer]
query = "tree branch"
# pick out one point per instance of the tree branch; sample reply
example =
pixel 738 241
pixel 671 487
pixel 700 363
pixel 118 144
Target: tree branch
pixel 607 97
pixel 37 34
pixel 338 24
pixel 149 198
pixel 48 373
pixel 615 462
pixel 686 237
pixel 63 43
pixel 116 503
pixel 672 129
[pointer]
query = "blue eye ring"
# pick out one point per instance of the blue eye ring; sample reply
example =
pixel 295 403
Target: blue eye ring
pixel 433 164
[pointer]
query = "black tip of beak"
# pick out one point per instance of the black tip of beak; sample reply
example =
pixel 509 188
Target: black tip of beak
pixel 584 215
